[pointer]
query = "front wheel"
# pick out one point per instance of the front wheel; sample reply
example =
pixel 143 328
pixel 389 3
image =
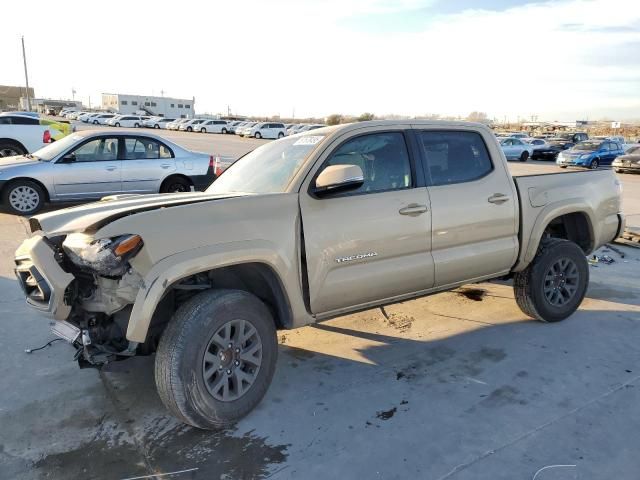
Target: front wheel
pixel 156 126
pixel 524 156
pixel 594 164
pixel 281 135
pixel 136 125
pixel 189 129
pixel 23 197
pixel 203 130
pixel 117 124
pixel 224 131
pixel 258 135
pixel 95 122
pixel 216 358
pixel 553 285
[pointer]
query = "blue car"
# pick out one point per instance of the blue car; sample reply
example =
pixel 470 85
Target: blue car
pixel 590 154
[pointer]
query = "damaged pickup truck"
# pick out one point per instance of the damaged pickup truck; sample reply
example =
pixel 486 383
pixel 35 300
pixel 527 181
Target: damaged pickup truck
pixel 303 229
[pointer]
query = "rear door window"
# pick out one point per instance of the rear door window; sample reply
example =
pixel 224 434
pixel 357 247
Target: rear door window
pixel 145 148
pixel 454 156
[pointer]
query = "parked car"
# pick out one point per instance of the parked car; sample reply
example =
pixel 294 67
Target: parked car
pixel 573 137
pixel 102 118
pixel 85 116
pixel 191 125
pixel 244 129
pixel 22 134
pixel 306 128
pixel 340 221
pixel 553 147
pixel 629 162
pixel 590 154
pixel 231 127
pixel 75 115
pixel 266 130
pixel 516 149
pixel 176 124
pixel 292 130
pixel 212 126
pixel 159 122
pixel 91 164
pixel 129 121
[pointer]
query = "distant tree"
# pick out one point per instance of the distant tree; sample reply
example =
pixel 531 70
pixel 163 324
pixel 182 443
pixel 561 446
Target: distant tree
pixel 334 119
pixel 477 117
pixel 366 116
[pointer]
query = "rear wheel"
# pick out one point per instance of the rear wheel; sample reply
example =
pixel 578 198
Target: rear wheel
pixel 136 125
pixel 117 124
pixel 23 197
pixel 189 129
pixel 156 126
pixel 11 149
pixel 216 358
pixel 224 131
pixel 553 285
pixel 95 122
pixel 175 185
pixel 203 130
pixel 594 164
pixel 281 135
pixel 524 156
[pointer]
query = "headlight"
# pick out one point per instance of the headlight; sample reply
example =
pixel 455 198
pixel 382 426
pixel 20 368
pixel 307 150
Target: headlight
pixel 106 256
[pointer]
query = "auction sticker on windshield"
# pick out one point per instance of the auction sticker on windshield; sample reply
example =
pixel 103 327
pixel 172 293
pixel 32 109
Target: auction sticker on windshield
pixel 309 140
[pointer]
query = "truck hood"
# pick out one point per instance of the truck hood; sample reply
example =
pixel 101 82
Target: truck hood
pixel 16 161
pixel 92 216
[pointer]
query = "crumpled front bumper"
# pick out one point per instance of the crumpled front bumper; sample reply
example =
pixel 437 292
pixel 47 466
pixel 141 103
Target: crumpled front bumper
pixel 42 279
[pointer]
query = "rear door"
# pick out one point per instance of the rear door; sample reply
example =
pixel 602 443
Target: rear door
pixel 146 162
pixel 474 207
pixel 91 170
pixel 372 243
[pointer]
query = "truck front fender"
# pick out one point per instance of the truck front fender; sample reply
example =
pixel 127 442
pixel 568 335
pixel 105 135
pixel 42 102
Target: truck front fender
pixel 175 267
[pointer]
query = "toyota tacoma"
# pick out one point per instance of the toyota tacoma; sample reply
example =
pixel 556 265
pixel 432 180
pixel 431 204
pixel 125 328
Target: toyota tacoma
pixel 302 229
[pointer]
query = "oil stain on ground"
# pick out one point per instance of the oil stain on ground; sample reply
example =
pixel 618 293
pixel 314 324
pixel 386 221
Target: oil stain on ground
pixel 475 294
pixel 216 454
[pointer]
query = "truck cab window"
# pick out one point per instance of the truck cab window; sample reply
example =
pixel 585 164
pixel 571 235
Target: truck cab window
pixel 454 157
pixel 383 158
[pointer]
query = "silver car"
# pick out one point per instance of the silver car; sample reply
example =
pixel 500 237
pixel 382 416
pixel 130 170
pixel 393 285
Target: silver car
pixel 91 164
pixel 516 149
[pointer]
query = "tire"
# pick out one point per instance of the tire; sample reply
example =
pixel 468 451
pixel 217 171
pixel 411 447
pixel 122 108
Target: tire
pixel 189 129
pixel 617 170
pixel 117 124
pixel 538 295
pixel 156 126
pixel 175 185
pixel 224 131
pixel 524 156
pixel 281 135
pixel 11 149
pixel 562 166
pixel 23 197
pixel 203 130
pixel 594 164
pixel 181 368
pixel 258 135
pixel 136 125
pixel 95 122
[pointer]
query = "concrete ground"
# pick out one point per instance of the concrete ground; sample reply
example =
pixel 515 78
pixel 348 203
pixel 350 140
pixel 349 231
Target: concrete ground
pixel 458 385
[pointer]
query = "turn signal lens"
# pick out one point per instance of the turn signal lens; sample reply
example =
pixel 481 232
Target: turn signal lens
pixel 127 245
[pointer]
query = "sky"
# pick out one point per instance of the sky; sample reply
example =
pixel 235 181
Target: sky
pixel 555 60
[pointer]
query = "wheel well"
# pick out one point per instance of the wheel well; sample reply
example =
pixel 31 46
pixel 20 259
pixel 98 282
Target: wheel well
pixel 256 278
pixel 14 180
pixel 574 227
pixel 14 142
pixel 171 177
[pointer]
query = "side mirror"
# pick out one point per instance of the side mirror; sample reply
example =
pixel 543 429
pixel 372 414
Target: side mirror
pixel 339 178
pixel 68 158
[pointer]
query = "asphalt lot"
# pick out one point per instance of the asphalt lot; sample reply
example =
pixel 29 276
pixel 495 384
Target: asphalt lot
pixel 459 385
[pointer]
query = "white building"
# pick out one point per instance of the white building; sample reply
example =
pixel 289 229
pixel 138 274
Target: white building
pixel 161 106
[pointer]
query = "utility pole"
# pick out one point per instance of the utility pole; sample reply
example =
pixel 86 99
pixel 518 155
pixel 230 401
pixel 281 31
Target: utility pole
pixel 26 75
pixel 73 93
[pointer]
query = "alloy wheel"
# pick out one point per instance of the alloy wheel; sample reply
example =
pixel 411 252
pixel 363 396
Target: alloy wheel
pixel 24 198
pixel 561 282
pixel 232 360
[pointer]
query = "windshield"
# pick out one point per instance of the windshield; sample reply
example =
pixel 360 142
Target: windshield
pixel 268 169
pixel 587 146
pixel 54 149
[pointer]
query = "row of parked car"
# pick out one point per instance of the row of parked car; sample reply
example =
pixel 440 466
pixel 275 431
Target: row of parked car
pixel 574 149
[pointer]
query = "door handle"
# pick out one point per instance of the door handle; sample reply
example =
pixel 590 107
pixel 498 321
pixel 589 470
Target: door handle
pixel 413 209
pixel 498 198
pixel 111 167
pixel 165 165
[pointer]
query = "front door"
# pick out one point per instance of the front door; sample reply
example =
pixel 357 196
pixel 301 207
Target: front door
pixel 146 162
pixel 91 170
pixel 474 207
pixel 372 243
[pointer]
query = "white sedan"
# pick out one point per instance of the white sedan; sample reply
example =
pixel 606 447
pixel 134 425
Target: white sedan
pixel 266 130
pixel 125 121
